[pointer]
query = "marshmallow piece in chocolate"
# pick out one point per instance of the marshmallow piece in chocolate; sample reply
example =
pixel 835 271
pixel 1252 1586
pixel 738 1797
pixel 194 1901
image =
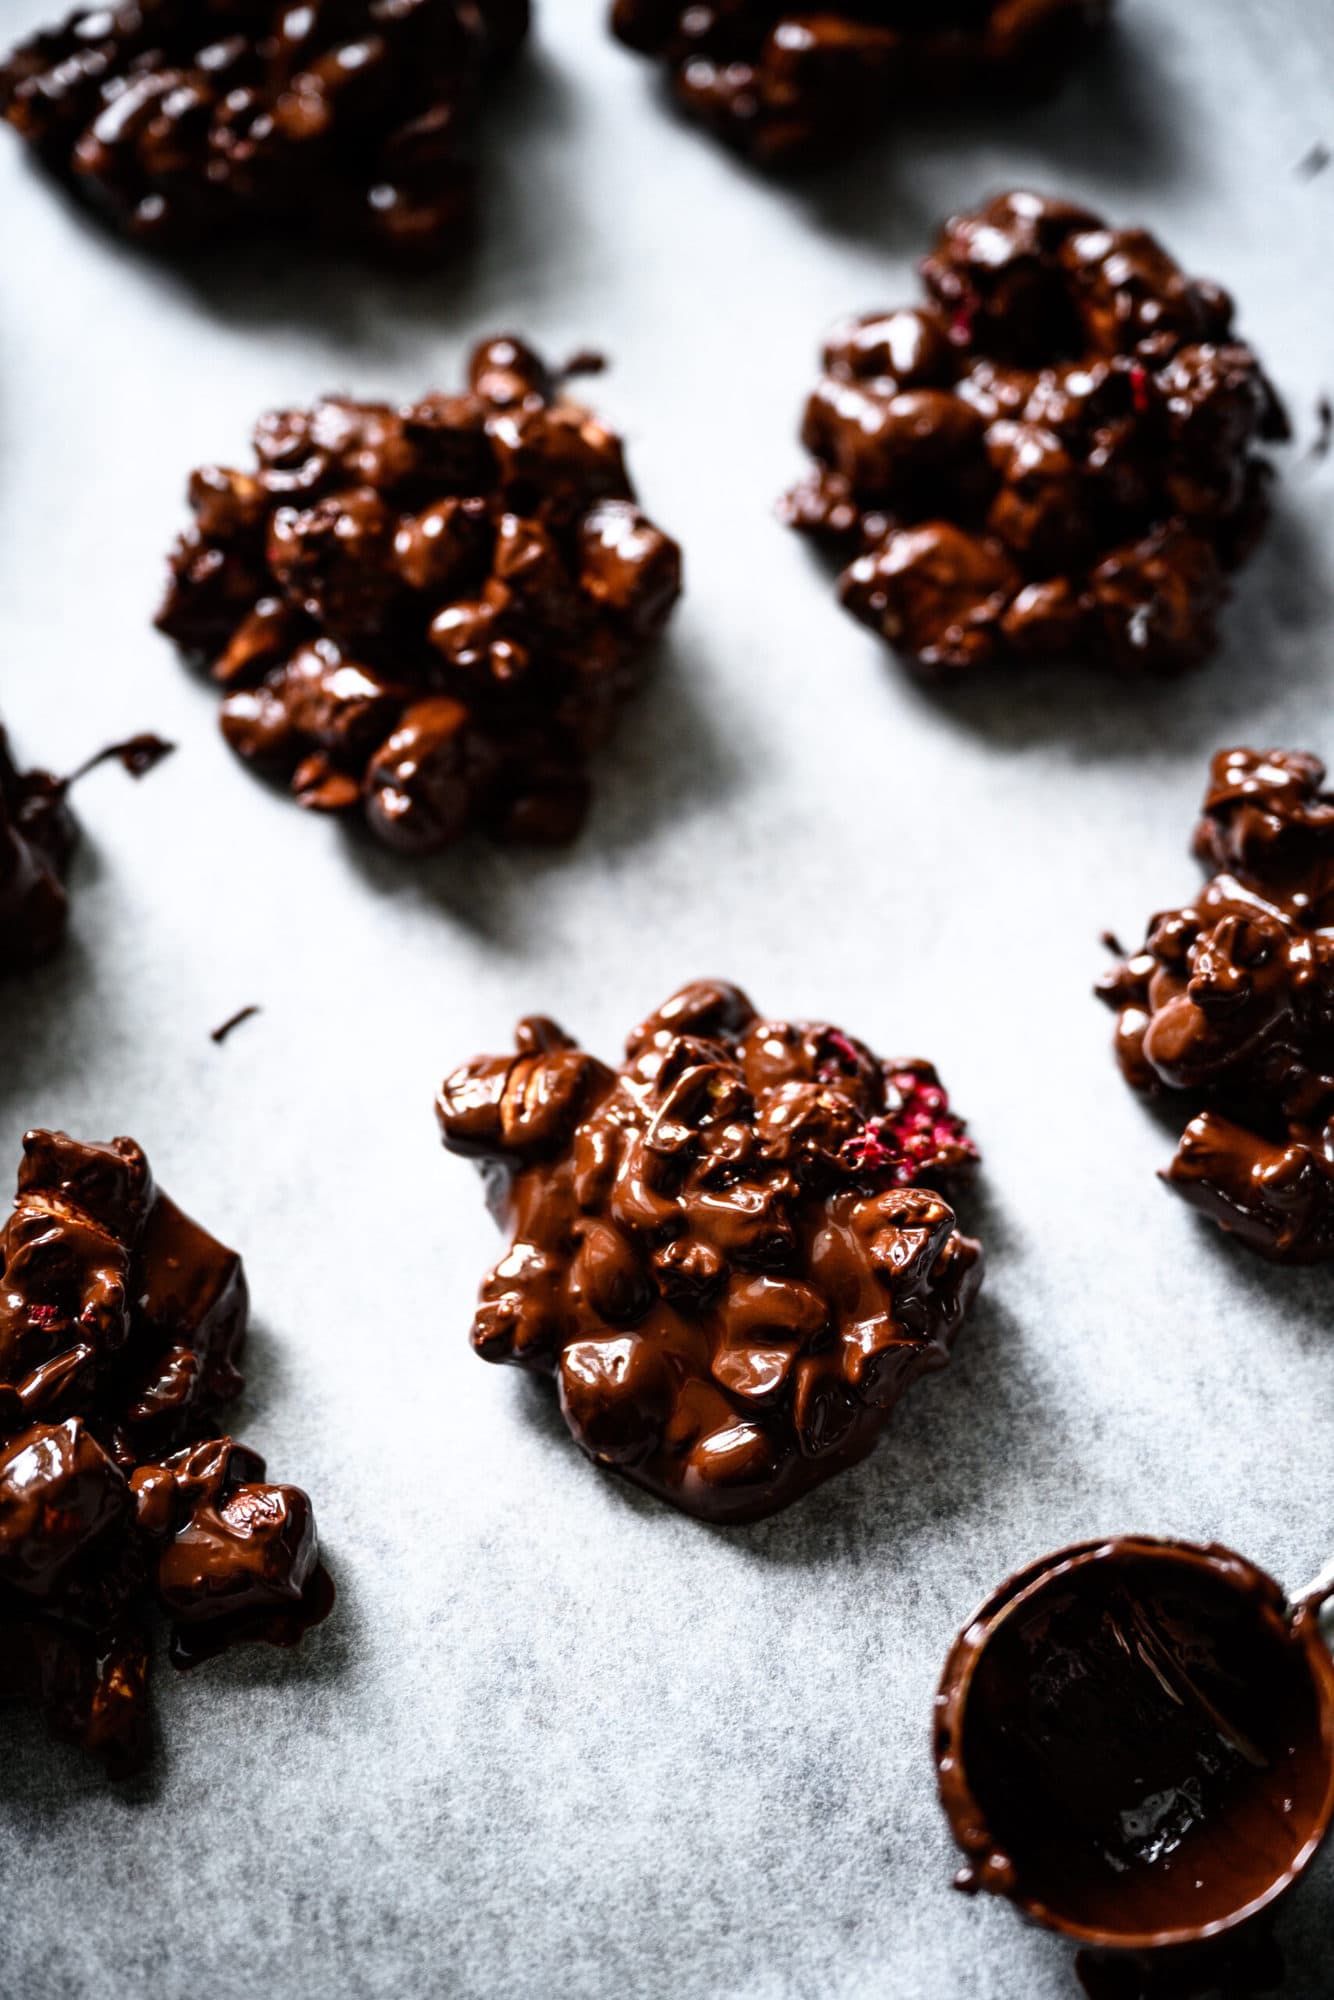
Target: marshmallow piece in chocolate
pixel 1135 1745
pixel 121 1328
pixel 791 87
pixel 1228 1008
pixel 730 1254
pixel 427 616
pixel 1055 457
pixel 350 120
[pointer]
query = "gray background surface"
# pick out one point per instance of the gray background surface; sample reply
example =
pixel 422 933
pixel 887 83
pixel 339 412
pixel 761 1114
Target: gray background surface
pixel 559 1740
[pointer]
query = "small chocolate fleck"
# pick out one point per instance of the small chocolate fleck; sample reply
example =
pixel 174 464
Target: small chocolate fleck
pixel 220 1033
pixel 1314 161
pixel 1113 943
pixel 1324 436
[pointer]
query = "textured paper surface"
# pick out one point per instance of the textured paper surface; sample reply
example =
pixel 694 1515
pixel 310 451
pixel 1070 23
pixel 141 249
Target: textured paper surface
pixel 558 1740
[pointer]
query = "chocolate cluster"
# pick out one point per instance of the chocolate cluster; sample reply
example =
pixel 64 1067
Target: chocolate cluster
pixel 1054 457
pixel 121 1326
pixel 354 120
pixel 730 1253
pixel 37 837
pixel 427 615
pixel 1229 1008
pixel 788 87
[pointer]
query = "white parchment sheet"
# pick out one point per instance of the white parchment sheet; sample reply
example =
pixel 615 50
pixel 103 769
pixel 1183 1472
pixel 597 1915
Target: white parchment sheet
pixel 558 1740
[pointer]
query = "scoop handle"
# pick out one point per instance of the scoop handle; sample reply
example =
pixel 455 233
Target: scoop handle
pixel 1317 1593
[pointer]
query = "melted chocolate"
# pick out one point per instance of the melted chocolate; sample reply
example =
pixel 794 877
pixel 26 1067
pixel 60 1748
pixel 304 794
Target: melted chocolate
pixel 37 837
pixel 346 119
pixel 38 834
pixel 1229 1008
pixel 121 1326
pixel 1135 1744
pixel 791 87
pixel 1054 457
pixel 727 1252
pixel 427 616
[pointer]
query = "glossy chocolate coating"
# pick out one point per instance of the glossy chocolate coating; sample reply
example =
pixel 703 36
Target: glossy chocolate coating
pixel 37 836
pixel 1229 1008
pixel 728 1253
pixel 427 615
pixel 792 87
pixel 1054 457
pixel 1135 1744
pixel 348 119
pixel 121 1327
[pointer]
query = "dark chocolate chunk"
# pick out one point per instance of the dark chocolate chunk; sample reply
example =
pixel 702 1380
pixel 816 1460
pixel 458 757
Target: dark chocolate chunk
pixel 427 616
pixel 121 1327
pixel 353 120
pixel 789 88
pixel 1054 456
pixel 730 1253
pixel 1135 1746
pixel 1229 1008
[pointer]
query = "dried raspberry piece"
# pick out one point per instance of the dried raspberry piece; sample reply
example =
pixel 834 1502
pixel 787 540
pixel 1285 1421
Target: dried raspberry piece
pixel 427 615
pixel 718 1254
pixel 791 88
pixel 1229 1008
pixel 1056 456
pixel 121 1326
pixel 349 119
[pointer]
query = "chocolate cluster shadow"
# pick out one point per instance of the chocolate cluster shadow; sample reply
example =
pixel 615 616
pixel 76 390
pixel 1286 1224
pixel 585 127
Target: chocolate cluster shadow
pixel 1265 661
pixel 1120 116
pixel 667 758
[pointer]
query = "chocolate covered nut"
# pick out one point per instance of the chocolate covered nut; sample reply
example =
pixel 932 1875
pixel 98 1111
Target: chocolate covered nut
pixel 121 1327
pixel 348 119
pixel 1056 456
pixel 731 1253
pixel 790 87
pixel 1228 1008
pixel 427 616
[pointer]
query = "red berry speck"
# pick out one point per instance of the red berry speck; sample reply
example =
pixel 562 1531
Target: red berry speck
pixel 1139 387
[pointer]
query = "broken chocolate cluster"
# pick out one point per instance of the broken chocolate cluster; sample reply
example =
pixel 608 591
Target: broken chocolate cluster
pixel 790 86
pixel 186 119
pixel 37 836
pixel 428 614
pixel 121 1324
pixel 1230 1007
pixel 729 1253
pixel 1055 456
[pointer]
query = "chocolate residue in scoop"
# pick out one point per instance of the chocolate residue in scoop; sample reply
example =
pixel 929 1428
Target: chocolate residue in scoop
pixel 1135 1744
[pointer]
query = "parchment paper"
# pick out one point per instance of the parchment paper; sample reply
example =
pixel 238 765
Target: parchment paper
pixel 558 1740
